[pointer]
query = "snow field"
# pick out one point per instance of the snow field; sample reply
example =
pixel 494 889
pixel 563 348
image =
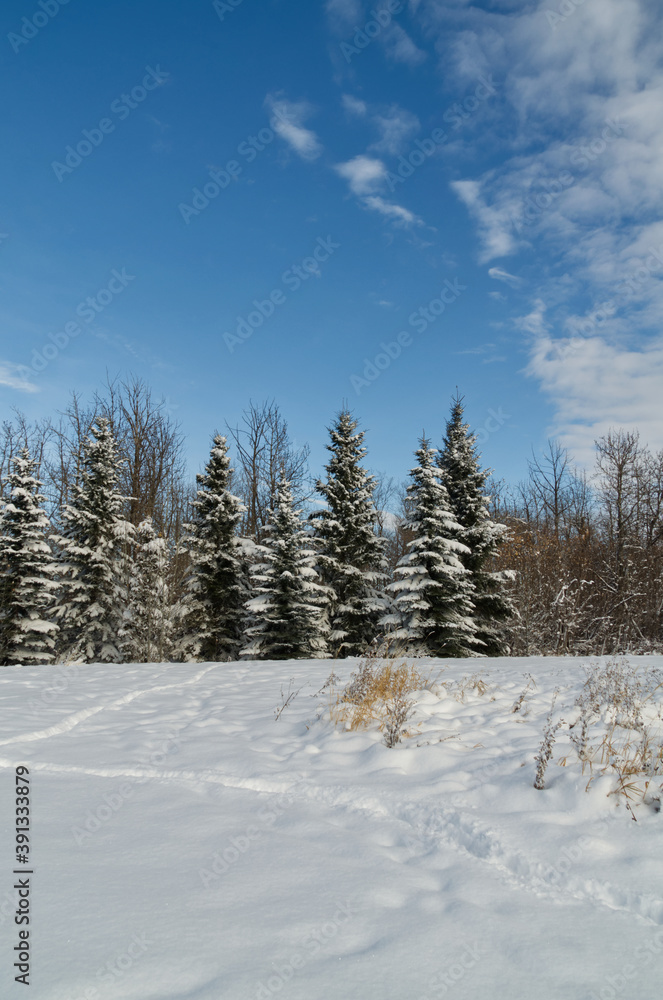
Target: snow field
pixel 187 845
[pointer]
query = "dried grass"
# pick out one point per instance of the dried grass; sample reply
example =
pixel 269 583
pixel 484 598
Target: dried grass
pixel 378 694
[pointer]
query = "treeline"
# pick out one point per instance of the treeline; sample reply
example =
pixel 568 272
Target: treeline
pixel 587 551
pixel 108 554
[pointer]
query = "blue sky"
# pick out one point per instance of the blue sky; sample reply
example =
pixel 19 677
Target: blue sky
pixel 393 199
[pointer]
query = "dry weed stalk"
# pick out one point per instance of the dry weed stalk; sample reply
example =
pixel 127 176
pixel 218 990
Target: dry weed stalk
pixel 378 693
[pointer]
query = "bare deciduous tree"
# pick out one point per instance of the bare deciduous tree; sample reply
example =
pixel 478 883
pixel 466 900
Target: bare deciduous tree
pixel 263 451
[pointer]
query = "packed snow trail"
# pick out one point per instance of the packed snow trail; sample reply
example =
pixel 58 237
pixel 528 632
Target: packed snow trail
pixel 192 846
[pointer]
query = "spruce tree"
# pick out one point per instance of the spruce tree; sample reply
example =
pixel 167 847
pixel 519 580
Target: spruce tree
pixel 351 559
pixel 466 486
pixel 27 570
pixel 432 589
pixel 289 602
pixel 213 612
pixel 148 626
pixel 94 550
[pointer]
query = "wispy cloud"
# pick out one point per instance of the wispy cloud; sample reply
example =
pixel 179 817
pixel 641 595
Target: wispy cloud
pixel 495 224
pixel 600 386
pixel 289 125
pixel 344 13
pixel 396 127
pixel 364 174
pixel 400 48
pixel 354 106
pixel 12 377
pixel 499 274
pixel 366 178
pixel 393 211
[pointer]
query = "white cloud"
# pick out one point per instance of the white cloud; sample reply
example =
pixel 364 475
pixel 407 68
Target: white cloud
pixel 501 275
pixel 290 117
pixel 344 12
pixel 595 385
pixel 495 224
pixel 392 211
pixel 364 174
pixel 396 127
pixel 354 106
pixel 399 47
pixel 534 322
pixel 14 377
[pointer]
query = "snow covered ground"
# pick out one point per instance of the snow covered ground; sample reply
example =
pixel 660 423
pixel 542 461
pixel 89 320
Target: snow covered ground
pixel 186 844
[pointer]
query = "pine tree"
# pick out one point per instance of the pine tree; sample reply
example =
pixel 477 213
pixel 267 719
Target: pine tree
pixel 148 629
pixel 466 486
pixel 433 592
pixel 213 612
pixel 27 570
pixel 289 602
pixel 94 548
pixel 351 560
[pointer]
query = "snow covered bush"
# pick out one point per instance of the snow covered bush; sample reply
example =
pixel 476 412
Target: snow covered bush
pixel 616 730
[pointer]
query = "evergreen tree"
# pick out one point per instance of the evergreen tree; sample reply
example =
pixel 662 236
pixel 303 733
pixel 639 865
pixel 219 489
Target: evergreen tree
pixel 289 602
pixel 433 592
pixel 466 486
pixel 27 570
pixel 351 559
pixel 94 548
pixel 148 627
pixel 213 611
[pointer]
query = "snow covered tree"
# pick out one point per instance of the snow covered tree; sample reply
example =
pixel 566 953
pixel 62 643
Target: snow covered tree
pixel 213 612
pixel 94 553
pixel 466 485
pixel 433 592
pixel 147 633
pixel 289 602
pixel 27 570
pixel 351 560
